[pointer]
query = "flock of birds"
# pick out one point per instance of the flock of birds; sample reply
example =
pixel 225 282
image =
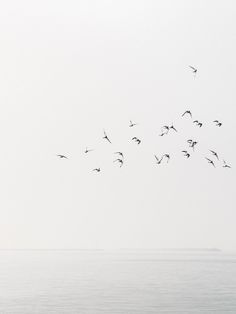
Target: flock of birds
pixel 164 131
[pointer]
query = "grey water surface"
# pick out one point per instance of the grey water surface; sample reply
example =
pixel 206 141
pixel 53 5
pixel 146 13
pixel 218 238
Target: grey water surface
pixel 115 282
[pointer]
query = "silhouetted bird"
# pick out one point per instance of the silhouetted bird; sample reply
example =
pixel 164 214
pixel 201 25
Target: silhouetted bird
pixel 226 165
pixel 138 141
pixel 132 124
pixel 120 161
pixel 88 150
pixel 120 153
pixel 167 156
pixel 194 70
pixel 173 128
pixel 159 160
pixel 62 156
pixel 106 137
pixel 97 169
pixel 186 154
pixel 187 112
pixel 198 123
pixel 215 154
pixel 165 127
pixel 193 144
pixel 210 162
pixel 217 123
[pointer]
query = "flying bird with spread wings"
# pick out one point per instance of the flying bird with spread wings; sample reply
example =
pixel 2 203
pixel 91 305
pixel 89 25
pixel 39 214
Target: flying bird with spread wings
pixel 131 124
pixel 225 165
pixel 158 160
pixel 186 154
pixel 88 150
pixel 167 156
pixel 120 161
pixel 97 169
pixel 214 154
pixel 120 154
pixel 187 112
pixel 217 123
pixel 194 70
pixel 137 140
pixel 172 128
pixel 106 137
pixel 62 156
pixel 210 162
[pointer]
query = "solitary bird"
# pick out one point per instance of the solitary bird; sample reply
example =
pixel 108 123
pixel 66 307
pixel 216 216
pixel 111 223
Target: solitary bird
pixel 132 124
pixel 106 137
pixel 186 154
pixel 121 162
pixel 226 165
pixel 173 128
pixel 120 154
pixel 97 169
pixel 62 156
pixel 137 140
pixel 165 127
pixel 215 154
pixel 187 112
pixel 88 150
pixel 194 70
pixel 198 123
pixel 193 144
pixel 210 162
pixel 218 123
pixel 167 156
pixel 159 160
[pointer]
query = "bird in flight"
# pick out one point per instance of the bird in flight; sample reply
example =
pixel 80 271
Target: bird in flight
pixel 173 128
pixel 167 156
pixel 194 70
pixel 132 124
pixel 215 154
pixel 186 154
pixel 198 123
pixel 166 127
pixel 159 160
pixel 62 156
pixel 187 112
pixel 137 140
pixel 106 137
pixel 226 165
pixel 120 154
pixel 210 162
pixel 97 169
pixel 88 150
pixel 193 144
pixel 217 123
pixel 121 162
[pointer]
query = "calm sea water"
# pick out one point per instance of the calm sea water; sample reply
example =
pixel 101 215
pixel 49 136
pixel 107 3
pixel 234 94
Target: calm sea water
pixel 116 282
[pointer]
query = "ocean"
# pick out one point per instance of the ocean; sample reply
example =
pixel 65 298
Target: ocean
pixel 117 282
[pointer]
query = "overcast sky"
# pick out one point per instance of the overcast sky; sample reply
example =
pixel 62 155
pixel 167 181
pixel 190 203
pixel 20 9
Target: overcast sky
pixel 68 70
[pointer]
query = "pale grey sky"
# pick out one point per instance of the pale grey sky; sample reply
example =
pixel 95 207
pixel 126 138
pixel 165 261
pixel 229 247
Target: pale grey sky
pixel 70 69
